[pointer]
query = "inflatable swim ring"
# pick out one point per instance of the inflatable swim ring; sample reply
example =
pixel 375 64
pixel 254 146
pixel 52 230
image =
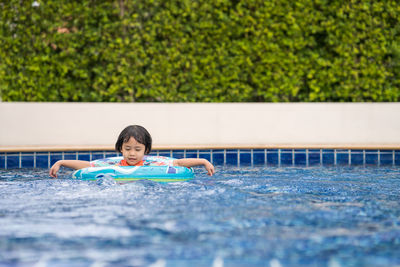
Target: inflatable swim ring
pixel 132 173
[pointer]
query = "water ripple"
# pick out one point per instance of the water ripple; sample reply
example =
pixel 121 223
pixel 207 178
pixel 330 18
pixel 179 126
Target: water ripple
pixel 239 217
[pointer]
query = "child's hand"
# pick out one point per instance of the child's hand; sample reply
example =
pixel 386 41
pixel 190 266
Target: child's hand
pixel 191 162
pixel 73 164
pixel 209 167
pixel 54 169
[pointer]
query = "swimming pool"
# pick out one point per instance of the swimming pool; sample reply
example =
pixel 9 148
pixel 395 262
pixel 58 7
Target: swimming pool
pixel 232 157
pixel 242 216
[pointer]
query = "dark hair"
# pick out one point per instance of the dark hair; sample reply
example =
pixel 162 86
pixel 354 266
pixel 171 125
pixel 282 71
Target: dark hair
pixel 139 133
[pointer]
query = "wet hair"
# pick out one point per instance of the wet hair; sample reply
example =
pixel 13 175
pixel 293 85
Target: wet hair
pixel 139 133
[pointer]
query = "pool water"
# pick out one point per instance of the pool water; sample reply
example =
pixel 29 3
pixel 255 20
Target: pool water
pixel 249 216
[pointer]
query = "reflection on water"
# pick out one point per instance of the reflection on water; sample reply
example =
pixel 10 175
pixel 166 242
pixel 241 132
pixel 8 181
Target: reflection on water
pixel 255 216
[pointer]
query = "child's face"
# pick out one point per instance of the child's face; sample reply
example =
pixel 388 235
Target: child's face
pixel 132 151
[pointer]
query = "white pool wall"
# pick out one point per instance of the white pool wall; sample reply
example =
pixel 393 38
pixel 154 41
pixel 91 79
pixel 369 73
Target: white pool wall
pixel 97 125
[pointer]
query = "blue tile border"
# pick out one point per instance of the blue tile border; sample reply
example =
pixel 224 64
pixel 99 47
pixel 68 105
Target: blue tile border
pixel 286 158
pixel 42 160
pixel 178 154
pixel 259 157
pixel 273 157
pixel 230 157
pixel 300 159
pixel 343 158
pixel 13 161
pixel 246 158
pixel 396 158
pixel 357 158
pixel 314 157
pixel 27 160
pixel 328 158
pixel 2 160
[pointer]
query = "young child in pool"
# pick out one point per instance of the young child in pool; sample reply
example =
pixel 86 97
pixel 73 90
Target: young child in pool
pixel 134 142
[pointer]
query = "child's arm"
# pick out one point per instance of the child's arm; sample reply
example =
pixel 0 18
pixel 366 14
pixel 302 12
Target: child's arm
pixel 73 164
pixel 195 162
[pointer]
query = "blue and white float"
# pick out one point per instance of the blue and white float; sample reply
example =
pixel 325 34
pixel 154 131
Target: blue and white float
pixel 133 173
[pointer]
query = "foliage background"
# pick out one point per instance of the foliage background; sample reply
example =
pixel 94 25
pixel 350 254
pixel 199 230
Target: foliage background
pixel 207 51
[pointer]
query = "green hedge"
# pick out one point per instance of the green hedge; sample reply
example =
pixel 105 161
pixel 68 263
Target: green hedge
pixel 208 51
